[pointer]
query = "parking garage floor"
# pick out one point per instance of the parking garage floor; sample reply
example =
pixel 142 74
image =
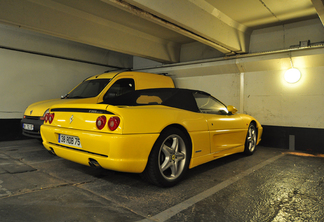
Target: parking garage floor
pixel 271 185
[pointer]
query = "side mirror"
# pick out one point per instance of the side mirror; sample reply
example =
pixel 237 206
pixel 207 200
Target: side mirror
pixel 231 109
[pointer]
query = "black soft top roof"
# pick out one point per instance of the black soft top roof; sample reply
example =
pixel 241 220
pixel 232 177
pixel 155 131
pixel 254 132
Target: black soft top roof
pixel 172 97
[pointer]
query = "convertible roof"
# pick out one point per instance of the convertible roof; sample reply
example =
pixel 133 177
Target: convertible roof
pixel 172 97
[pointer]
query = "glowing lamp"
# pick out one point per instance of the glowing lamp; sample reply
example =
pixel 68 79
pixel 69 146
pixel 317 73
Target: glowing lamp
pixel 292 75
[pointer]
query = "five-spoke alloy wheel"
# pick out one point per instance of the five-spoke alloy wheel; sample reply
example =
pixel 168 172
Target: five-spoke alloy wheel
pixel 169 159
pixel 172 157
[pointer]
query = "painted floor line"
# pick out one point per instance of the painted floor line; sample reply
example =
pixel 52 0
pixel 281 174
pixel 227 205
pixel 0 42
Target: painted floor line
pixel 167 214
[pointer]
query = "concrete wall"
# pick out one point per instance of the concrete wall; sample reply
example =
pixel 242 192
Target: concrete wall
pixel 27 78
pixel 273 101
pixel 35 67
pixel 285 36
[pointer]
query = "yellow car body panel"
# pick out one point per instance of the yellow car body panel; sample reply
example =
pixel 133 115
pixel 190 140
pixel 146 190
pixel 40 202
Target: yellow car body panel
pixel 128 147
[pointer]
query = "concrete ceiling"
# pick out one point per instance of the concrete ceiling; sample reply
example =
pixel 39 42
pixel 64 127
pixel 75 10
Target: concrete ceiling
pixel 157 29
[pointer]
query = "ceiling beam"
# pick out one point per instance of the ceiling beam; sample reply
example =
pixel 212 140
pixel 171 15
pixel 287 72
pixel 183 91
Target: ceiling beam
pixel 199 20
pixel 60 20
pixel 319 6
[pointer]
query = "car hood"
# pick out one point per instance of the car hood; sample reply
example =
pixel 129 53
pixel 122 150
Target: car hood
pixel 39 108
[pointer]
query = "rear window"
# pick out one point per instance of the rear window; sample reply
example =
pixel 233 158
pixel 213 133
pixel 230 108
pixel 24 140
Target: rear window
pixel 89 88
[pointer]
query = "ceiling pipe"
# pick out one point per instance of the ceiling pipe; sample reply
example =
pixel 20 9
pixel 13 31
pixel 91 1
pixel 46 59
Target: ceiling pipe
pixel 238 56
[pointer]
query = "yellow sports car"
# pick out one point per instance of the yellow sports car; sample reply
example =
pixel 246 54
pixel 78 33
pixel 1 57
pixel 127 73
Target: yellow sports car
pixel 159 133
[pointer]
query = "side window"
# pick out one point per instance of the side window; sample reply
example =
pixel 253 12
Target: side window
pixel 120 87
pixel 208 104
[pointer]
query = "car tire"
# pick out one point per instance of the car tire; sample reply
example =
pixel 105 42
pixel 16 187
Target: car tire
pixel 169 158
pixel 251 140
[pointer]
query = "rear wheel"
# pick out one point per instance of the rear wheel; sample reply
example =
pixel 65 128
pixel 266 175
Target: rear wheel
pixel 169 158
pixel 251 140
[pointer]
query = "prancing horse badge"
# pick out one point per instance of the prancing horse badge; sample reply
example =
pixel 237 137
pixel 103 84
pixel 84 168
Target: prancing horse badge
pixel 71 119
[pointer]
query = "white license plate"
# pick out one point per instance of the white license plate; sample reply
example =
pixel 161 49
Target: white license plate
pixel 69 140
pixel 27 126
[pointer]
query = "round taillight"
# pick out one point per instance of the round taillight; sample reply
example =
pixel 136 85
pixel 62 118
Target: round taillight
pixel 50 117
pixel 101 122
pixel 46 117
pixel 113 123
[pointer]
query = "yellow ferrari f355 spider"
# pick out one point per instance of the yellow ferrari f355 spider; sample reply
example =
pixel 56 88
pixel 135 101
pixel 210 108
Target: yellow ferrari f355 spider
pixel 160 133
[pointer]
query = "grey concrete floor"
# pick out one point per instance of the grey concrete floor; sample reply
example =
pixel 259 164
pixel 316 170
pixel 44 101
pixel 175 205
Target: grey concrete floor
pixel 271 185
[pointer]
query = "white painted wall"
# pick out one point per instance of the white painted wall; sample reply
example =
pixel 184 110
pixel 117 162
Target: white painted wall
pixel 273 101
pixel 143 63
pixel 26 77
pixel 18 38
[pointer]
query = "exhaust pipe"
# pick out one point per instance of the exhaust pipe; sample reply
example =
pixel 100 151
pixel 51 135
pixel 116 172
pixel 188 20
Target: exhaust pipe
pixel 52 151
pixel 94 163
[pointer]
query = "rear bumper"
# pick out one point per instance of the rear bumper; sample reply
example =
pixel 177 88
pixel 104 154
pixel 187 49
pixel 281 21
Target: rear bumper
pixel 125 153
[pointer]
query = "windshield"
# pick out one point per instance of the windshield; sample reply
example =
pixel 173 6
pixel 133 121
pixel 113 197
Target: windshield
pixel 87 89
pixel 208 104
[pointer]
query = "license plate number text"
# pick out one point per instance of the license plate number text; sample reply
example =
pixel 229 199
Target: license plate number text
pixel 69 140
pixel 27 126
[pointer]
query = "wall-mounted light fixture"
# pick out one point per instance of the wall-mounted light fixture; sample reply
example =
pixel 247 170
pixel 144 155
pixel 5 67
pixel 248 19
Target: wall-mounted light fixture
pixel 292 75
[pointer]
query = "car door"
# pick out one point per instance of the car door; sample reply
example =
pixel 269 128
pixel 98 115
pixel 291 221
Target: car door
pixel 226 130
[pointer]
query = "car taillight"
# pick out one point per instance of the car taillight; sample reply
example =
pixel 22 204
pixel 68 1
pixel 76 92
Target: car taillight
pixel 43 117
pixel 113 123
pixel 49 117
pixel 101 122
pixel 46 117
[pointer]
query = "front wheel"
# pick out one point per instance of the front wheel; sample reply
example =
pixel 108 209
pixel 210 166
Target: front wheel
pixel 169 158
pixel 251 140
